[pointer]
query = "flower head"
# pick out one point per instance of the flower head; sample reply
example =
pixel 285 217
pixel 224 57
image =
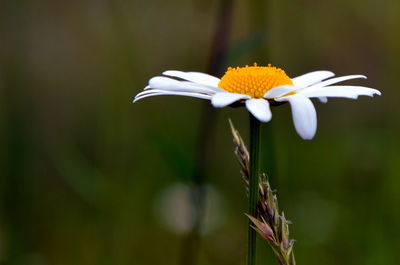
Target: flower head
pixel 253 81
pixel 257 87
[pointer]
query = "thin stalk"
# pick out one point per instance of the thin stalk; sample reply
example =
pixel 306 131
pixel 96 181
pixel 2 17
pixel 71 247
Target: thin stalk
pixel 191 242
pixel 253 186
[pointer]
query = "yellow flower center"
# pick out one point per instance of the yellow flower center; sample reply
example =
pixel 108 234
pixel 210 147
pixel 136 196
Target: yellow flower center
pixel 254 81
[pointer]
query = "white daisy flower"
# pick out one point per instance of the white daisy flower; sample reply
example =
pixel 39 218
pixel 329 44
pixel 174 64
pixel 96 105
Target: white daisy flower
pixel 258 87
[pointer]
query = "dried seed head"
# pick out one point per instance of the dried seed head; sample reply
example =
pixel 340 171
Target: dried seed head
pixel 270 224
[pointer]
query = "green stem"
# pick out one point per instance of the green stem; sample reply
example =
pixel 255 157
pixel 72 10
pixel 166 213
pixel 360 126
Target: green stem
pixel 253 186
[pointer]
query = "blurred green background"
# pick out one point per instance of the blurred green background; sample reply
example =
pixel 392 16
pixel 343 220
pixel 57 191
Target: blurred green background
pixel 89 178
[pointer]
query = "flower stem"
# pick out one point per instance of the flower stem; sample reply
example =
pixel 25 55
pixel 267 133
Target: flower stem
pixel 253 186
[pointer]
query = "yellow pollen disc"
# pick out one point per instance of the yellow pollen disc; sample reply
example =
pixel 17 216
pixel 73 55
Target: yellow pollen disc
pixel 254 80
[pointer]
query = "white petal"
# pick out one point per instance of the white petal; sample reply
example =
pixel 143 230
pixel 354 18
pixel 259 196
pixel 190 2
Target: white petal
pixel 304 116
pixel 169 84
pixel 195 77
pixel 311 78
pixel 210 88
pixel 340 91
pixel 156 92
pixel 279 91
pixel 259 108
pixel 223 99
pixel 335 80
pixel 323 99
